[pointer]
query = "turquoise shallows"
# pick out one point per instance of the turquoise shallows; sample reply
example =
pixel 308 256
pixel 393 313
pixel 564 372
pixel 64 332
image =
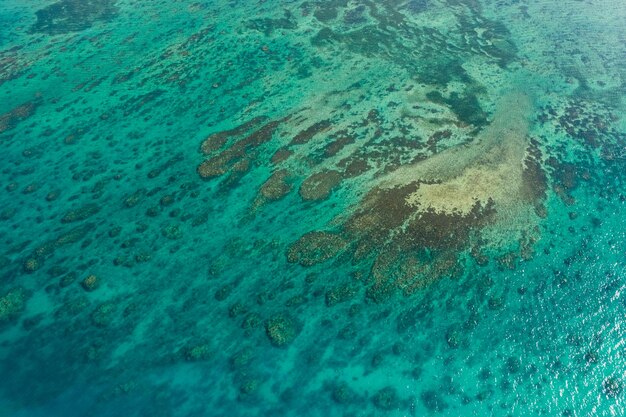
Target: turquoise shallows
pixel 312 208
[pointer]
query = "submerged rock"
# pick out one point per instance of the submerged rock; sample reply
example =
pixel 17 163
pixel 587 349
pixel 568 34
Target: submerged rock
pixel 454 336
pixel 249 386
pixel 251 321
pixel 172 232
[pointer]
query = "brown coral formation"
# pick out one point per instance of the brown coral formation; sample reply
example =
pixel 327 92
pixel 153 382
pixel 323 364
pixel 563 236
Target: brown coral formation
pixel 318 186
pixel 36 259
pixel 587 123
pixel 500 169
pixel 340 141
pixel 315 247
pixel 307 134
pixel 282 329
pixel 281 155
pixel 276 187
pixel 11 304
pixel 81 213
pixel 10 119
pixel 565 177
pixel 354 166
pixel 217 140
pixel 90 283
pixel 239 151
pixel 416 220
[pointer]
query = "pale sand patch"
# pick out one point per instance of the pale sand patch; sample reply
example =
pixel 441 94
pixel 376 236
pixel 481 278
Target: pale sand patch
pixel 488 169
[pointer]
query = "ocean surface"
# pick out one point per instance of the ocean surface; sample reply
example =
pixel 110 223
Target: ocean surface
pixel 312 208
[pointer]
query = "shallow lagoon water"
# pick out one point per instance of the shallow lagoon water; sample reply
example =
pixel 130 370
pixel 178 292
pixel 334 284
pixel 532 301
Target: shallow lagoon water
pixel 312 208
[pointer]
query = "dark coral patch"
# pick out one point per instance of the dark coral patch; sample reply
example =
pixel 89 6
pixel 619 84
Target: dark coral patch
pixel 282 329
pixel 410 247
pixel 466 107
pixel 276 187
pixel 216 140
pixel 10 119
pixel 315 247
pixel 535 181
pixel 340 141
pixel 235 156
pixel 565 179
pixel 281 155
pixel 267 25
pixel 12 304
pixel 434 230
pixel 319 185
pixel 73 15
pixel 81 213
pixel 307 134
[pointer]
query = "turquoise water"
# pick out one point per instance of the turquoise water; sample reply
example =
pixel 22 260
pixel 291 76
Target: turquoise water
pixel 312 208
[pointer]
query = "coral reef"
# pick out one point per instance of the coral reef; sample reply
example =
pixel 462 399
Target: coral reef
pixel 276 186
pixel 239 150
pixel 81 213
pixel 73 15
pixel 315 247
pixel 12 303
pixel 90 283
pixel 386 399
pixel 318 186
pixel 612 387
pixel 282 329
pixel 10 119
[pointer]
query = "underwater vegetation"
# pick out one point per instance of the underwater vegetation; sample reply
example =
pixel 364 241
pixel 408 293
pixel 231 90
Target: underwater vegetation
pixel 312 208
